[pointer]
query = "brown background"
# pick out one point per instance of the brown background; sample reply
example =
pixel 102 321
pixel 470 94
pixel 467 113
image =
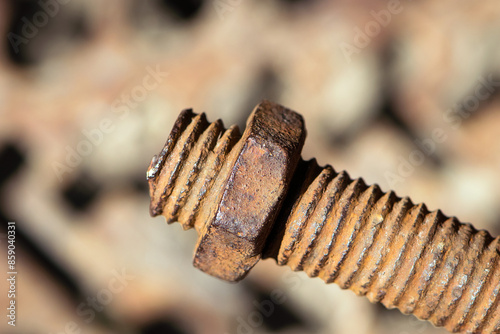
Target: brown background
pixel 222 57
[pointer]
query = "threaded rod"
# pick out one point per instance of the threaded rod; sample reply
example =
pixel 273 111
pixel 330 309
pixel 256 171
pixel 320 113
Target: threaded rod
pixel 388 249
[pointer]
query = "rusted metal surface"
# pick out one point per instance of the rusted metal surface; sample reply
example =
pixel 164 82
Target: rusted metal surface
pixel 251 196
pixel 229 187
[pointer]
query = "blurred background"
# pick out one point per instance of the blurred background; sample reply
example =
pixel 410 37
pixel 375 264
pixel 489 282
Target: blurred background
pixel 402 93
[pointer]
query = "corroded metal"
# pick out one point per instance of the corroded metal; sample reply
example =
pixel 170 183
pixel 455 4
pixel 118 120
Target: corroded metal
pixel 251 196
pixel 228 186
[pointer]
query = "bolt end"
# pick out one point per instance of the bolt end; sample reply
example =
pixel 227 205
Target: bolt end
pixel 182 175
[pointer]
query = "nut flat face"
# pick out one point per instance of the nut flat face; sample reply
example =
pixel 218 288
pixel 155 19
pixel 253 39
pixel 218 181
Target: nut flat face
pixel 232 241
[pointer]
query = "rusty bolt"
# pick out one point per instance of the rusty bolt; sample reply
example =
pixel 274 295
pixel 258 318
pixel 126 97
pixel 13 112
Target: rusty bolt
pixel 251 196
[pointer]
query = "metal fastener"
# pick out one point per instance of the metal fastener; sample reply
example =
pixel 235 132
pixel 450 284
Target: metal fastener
pixel 251 196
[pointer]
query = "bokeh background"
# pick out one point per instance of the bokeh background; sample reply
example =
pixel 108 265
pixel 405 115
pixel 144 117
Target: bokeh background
pixel 89 91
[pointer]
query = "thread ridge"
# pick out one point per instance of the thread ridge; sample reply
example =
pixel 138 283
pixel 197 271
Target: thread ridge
pixel 389 249
pixel 190 165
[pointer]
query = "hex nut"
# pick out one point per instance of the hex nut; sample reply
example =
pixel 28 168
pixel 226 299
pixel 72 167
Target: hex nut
pixel 269 151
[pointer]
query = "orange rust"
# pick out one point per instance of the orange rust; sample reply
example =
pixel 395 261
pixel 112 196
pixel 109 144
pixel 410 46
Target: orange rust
pixel 251 196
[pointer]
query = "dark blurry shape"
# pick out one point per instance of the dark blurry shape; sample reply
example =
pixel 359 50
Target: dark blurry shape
pixel 55 270
pixel 297 1
pixel 140 184
pixel 30 21
pixel 389 55
pixel 388 112
pixel 341 138
pixel 275 312
pixel 389 107
pixel 17 41
pixel 480 96
pixel 266 86
pixel 184 9
pixel 80 28
pixel 82 192
pixel 495 229
pixel 40 256
pixel 11 159
pixel 161 326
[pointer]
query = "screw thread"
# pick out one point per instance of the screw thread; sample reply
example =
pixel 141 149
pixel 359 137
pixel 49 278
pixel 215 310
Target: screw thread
pixel 341 230
pixel 388 249
pixel 190 171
